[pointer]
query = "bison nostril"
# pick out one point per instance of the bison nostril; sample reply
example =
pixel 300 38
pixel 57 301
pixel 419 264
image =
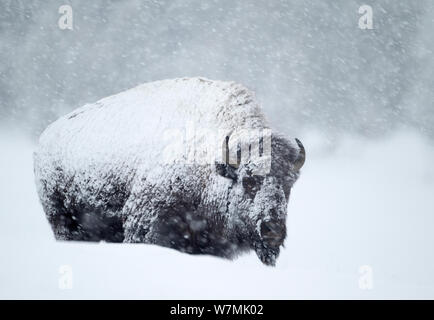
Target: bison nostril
pixel 265 228
pixel 272 234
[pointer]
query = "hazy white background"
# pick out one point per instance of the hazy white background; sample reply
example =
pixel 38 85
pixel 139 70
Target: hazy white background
pixel 360 100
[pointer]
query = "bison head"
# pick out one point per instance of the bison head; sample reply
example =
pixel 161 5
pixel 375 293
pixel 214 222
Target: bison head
pixel 263 168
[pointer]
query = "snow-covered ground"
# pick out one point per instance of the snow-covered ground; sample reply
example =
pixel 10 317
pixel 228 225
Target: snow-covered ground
pixel 359 203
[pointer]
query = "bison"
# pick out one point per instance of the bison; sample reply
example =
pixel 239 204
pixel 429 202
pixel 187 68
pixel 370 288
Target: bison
pixel 190 164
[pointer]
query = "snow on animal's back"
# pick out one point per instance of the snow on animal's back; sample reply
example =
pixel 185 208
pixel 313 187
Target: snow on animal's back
pixel 134 125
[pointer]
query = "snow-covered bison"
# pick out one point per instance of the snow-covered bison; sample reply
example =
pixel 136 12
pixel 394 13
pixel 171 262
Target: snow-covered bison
pixel 189 164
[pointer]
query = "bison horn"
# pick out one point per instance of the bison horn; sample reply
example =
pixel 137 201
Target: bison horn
pixel 226 169
pixel 299 162
pixel 226 154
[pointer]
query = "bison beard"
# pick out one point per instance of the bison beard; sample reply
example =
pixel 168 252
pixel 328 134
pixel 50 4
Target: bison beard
pixel 96 183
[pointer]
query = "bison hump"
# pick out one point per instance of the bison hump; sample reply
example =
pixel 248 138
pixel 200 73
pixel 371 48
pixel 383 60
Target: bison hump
pixel 134 126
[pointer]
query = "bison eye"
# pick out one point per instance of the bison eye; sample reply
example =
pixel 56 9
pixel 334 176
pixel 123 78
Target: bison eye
pixel 226 171
pixel 251 184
